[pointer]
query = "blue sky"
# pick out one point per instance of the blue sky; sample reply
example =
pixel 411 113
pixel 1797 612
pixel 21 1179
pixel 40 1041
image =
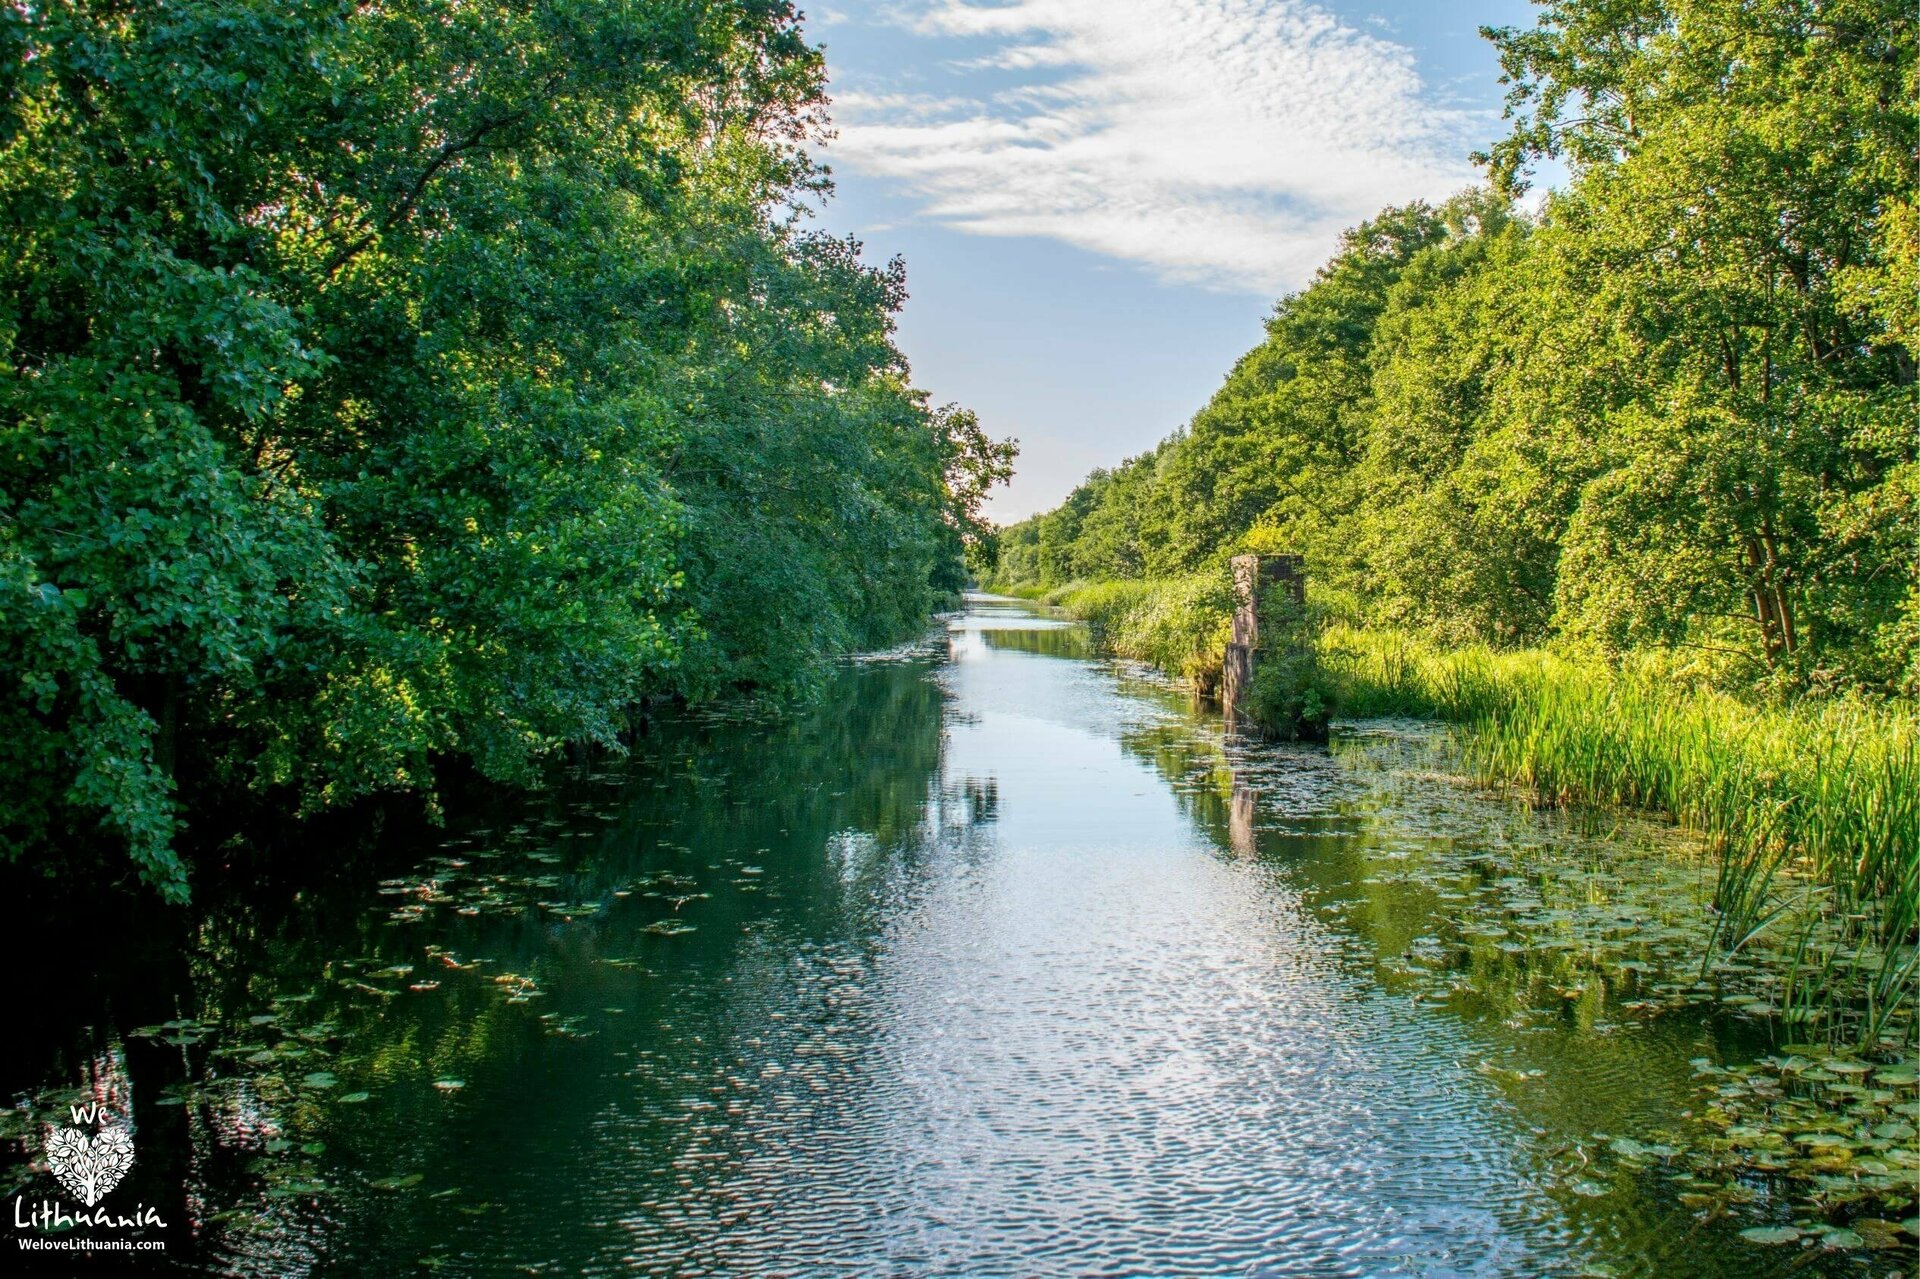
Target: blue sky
pixel 1099 200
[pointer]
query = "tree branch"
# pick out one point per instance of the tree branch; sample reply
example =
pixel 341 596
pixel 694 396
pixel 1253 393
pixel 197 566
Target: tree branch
pixel 443 155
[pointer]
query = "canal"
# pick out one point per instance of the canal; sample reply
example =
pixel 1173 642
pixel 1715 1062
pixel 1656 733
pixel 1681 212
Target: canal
pixel 1000 959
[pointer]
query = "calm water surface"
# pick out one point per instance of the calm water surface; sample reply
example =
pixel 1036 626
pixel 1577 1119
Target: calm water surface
pixel 1001 961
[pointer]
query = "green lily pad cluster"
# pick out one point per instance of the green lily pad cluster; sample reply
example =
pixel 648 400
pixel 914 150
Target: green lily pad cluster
pixel 1837 1132
pixel 526 876
pixel 180 1032
pixel 1611 913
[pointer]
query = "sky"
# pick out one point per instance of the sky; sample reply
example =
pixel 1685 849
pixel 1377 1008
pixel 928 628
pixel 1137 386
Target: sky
pixel 1099 201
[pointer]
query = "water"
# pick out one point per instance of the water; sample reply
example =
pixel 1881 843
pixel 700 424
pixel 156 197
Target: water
pixel 1001 961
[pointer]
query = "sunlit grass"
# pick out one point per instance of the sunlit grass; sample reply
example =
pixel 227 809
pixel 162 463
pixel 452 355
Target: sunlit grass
pixel 1177 624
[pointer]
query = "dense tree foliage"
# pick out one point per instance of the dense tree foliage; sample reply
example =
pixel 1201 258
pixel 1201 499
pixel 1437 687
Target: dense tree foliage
pixel 390 381
pixel 1675 410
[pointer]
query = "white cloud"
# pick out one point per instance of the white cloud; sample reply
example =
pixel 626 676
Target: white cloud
pixel 1219 142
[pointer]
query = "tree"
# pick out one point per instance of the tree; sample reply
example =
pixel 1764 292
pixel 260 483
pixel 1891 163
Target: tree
pixel 446 392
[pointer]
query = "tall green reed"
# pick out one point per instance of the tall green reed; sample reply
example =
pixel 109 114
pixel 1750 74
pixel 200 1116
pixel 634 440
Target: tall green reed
pixel 1177 624
pixel 1812 810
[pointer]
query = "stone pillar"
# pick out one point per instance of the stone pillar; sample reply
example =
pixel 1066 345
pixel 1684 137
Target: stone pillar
pixel 1254 575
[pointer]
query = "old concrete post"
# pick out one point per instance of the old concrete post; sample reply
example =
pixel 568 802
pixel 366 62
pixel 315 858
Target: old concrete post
pixel 1254 575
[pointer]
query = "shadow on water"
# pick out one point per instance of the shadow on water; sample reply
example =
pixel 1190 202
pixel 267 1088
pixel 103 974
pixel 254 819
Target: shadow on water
pixel 995 961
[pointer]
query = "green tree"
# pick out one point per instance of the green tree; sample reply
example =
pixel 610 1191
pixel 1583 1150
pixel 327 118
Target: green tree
pixel 1741 171
pixel 1676 409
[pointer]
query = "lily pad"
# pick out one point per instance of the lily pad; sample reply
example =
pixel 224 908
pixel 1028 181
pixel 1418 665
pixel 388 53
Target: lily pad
pixel 407 1182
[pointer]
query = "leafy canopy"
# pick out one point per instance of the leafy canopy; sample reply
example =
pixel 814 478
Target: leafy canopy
pixel 397 381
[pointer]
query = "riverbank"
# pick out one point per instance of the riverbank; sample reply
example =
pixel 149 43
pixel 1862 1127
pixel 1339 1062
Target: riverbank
pixel 1812 809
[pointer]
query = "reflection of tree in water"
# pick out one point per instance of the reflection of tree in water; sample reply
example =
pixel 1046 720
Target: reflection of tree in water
pixel 1046 641
pixel 301 1060
pixel 1547 933
pixel 862 756
pixel 1196 767
pixel 973 801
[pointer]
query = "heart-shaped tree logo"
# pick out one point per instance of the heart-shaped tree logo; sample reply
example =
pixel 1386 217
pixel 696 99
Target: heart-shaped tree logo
pixel 90 1167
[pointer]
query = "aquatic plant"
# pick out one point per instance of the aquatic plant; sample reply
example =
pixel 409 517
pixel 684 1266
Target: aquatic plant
pixel 1812 809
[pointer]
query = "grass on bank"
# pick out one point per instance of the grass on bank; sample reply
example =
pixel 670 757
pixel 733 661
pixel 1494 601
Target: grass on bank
pixel 1813 810
pixel 1179 625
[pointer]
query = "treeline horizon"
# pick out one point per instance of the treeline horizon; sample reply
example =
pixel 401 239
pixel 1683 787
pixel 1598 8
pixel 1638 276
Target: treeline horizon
pixel 420 380
pixel 1672 412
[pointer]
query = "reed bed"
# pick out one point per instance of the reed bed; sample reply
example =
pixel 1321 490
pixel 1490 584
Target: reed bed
pixel 1813 810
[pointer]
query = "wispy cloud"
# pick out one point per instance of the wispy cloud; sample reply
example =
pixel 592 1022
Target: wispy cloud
pixel 1219 142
